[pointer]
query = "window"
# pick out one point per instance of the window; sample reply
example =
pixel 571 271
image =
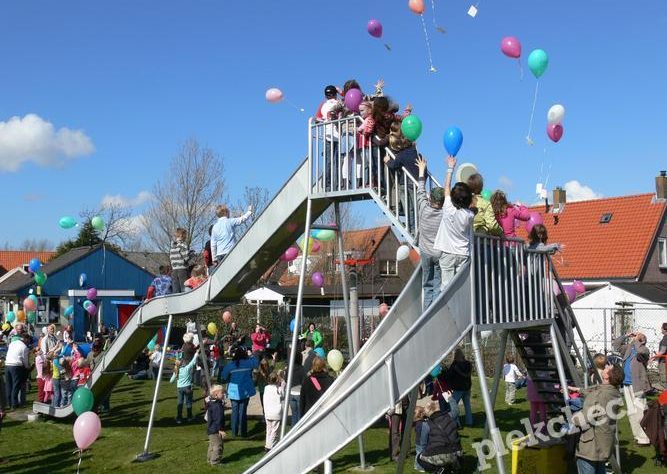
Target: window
pixel 662 253
pixel 388 268
pixel 605 218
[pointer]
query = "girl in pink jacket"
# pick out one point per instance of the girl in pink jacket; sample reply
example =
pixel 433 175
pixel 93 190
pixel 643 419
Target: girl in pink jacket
pixel 506 213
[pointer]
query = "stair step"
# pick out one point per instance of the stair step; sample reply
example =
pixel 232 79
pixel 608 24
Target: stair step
pixel 536 344
pixel 544 380
pixel 539 356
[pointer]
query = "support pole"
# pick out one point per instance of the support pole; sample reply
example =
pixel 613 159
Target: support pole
pixel 407 430
pixel 488 406
pixel 146 455
pixel 559 362
pixel 297 322
pixel 500 360
pixel 351 344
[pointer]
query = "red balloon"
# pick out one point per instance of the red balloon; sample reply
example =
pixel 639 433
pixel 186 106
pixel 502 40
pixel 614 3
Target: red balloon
pixel 417 6
pixel 511 46
pixel 374 28
pixel 227 316
pixel 555 131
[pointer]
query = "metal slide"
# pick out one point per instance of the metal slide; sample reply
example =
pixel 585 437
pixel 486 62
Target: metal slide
pixel 401 351
pixel 272 232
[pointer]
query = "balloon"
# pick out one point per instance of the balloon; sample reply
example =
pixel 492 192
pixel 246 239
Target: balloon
pixel 320 352
pixel 417 6
pixel 384 309
pixel 33 298
pixel 436 371
pixel 402 252
pixel 87 428
pixel 353 99
pixel 11 316
pixel 227 316
pixel 291 227
pixel 535 218
pixel 82 279
pixel 325 235
pixel 82 400
pixel 69 311
pixel 335 360
pixel 151 345
pixel 29 304
pixel 290 254
pixel 86 304
pixel 411 126
pixel 570 292
pixel 274 95
pixel 91 294
pixel 318 279
pixel 212 329
pixel 453 140
pixel 579 287
pixel 316 247
pixel 98 223
pixel 555 132
pixel 556 114
pixel 34 265
pixel 32 317
pixel 6 327
pixel 40 278
pixel 307 241
pixel 67 222
pixel 486 194
pixel 292 323
pixel 374 28
pixel 20 315
pixel 538 62
pixel 511 46
pixel 92 309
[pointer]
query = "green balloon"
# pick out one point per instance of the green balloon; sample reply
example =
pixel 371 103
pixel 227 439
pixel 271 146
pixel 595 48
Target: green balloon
pixel 83 400
pixel 98 223
pixel 40 278
pixel 33 298
pixel 486 194
pixel 538 62
pixel 86 304
pixel 325 235
pixel 411 127
pixel 32 317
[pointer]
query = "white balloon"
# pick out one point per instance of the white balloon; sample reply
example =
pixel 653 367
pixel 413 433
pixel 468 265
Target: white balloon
pixel 402 252
pixel 335 360
pixel 556 114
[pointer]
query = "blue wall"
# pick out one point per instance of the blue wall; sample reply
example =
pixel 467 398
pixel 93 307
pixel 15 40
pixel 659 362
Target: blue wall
pixel 105 270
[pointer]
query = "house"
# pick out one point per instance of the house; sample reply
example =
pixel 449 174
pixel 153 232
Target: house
pixel 115 276
pixel 13 261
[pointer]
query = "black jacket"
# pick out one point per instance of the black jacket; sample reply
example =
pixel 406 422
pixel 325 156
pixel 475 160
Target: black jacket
pixel 459 374
pixel 216 416
pixel 310 394
pixel 407 159
pixel 298 375
pixel 443 436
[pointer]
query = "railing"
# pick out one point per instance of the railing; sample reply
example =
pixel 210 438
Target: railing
pixel 513 285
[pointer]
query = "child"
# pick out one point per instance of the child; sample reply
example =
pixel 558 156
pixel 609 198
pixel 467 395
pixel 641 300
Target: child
pixel 155 358
pixel 48 381
pixel 40 362
pixel 179 256
pixel 485 220
pixel 55 383
pixel 455 232
pixel 197 278
pixel 512 375
pixel 331 136
pixel 421 435
pixel 183 377
pixel 599 363
pixel 506 213
pixel 273 393
pixel 215 416
pixel 65 382
pixel 364 133
pixel 538 409
pixel 537 240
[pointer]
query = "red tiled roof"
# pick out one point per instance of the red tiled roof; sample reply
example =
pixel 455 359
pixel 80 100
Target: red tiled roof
pixel 616 250
pixel 10 259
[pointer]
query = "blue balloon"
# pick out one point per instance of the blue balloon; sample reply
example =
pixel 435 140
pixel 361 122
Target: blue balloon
pixel 453 140
pixel 69 311
pixel 436 371
pixel 83 349
pixel 34 265
pixel 292 323
pixel 82 279
pixel 320 352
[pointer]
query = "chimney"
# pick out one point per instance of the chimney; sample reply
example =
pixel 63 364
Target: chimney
pixel 661 185
pixel 559 197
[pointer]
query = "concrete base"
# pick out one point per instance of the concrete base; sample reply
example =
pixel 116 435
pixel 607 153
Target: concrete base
pixel 143 457
pixel 368 468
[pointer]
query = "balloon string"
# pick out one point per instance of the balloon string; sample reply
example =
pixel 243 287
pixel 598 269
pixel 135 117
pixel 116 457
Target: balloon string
pixel 428 45
pixel 289 102
pixel 78 466
pixel 435 24
pixel 532 115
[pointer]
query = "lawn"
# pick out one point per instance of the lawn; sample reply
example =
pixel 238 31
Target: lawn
pixel 48 446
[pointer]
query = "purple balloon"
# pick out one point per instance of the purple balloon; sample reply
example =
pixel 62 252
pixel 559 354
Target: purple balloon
pixel 570 292
pixel 555 132
pixel 91 293
pixel 579 287
pixel 92 309
pixel 290 254
pixel 535 218
pixel 317 279
pixel 353 99
pixel 374 28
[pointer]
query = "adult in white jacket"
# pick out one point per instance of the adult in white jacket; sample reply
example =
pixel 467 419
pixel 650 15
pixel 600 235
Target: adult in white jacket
pixel 17 368
pixel 273 393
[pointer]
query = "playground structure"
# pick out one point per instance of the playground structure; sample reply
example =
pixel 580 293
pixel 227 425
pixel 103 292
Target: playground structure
pixel 504 287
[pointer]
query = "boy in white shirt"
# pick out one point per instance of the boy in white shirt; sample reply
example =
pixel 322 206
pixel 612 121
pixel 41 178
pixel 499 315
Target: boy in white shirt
pixel 454 235
pixel 511 375
pixel 273 393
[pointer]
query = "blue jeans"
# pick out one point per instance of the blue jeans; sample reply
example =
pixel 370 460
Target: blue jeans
pixel 295 408
pixel 465 395
pixel 240 417
pixel 585 466
pixel 331 165
pixel 184 397
pixel 430 278
pixel 65 392
pixel 56 393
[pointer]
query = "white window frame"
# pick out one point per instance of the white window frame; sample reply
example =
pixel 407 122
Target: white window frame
pixel 384 268
pixel 662 252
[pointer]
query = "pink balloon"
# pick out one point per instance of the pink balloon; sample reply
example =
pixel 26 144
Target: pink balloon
pixel 91 293
pixel 317 279
pixel 555 131
pixel 374 28
pixel 291 227
pixel 290 254
pixel 511 46
pixel 92 309
pixel 86 429
pixel 579 287
pixel 416 6
pixel 274 95
pixel 353 99
pixel 29 305
pixel 316 247
pixel 570 292
pixel 535 218
pixel 384 309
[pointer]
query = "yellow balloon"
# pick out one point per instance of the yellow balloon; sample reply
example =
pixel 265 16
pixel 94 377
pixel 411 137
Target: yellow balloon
pixel 5 327
pixel 310 242
pixel 212 329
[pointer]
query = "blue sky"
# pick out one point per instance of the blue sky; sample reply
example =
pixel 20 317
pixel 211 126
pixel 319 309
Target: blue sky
pixel 139 77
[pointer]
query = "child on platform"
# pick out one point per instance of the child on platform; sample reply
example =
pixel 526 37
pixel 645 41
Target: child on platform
pixel 40 362
pixel 537 240
pixel 507 213
pixel 273 393
pixel 197 277
pixel 215 416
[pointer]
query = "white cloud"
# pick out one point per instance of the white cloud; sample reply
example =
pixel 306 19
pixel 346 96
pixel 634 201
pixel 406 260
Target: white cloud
pixel 505 183
pixel 133 225
pixel 118 200
pixel 33 139
pixel 575 191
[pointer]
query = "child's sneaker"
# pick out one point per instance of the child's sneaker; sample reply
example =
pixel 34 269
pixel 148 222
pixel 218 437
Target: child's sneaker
pixel 179 421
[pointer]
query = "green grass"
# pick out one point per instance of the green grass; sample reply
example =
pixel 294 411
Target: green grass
pixel 47 446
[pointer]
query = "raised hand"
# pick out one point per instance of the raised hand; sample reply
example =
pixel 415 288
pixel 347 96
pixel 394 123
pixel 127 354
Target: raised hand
pixel 421 165
pixel 451 162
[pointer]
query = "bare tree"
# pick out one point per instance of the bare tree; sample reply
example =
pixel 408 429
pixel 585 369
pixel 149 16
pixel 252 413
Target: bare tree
pixel 255 196
pixel 37 245
pixel 186 197
pixel 120 227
